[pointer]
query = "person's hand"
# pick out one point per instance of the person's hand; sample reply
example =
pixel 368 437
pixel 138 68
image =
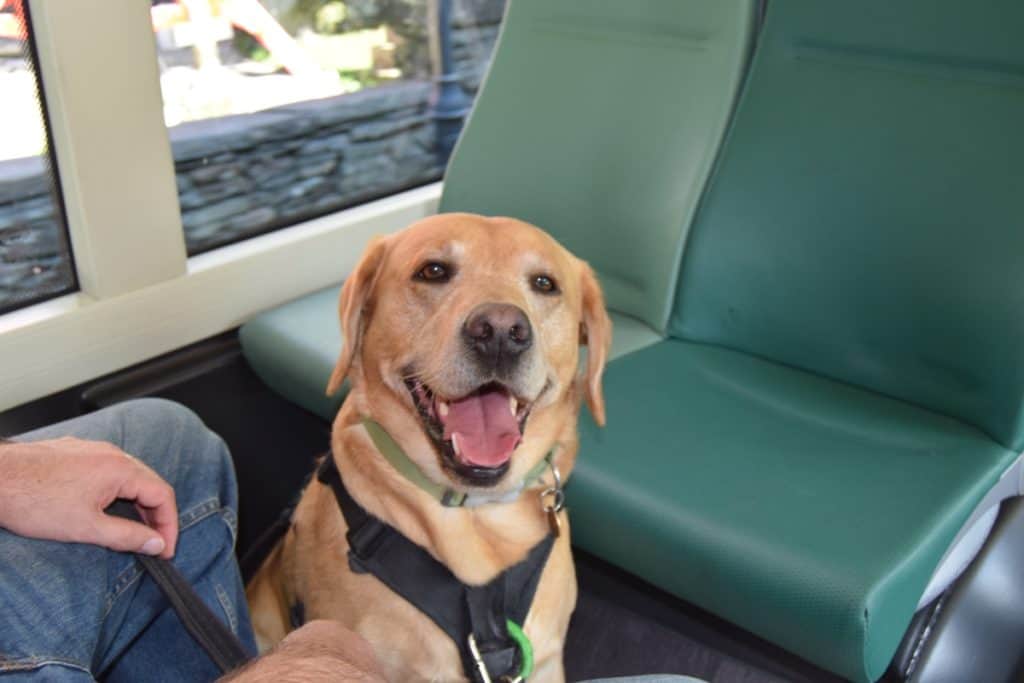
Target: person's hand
pixel 58 490
pixel 319 651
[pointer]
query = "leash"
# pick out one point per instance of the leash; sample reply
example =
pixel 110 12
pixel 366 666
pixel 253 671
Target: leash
pixel 220 644
pixel 485 622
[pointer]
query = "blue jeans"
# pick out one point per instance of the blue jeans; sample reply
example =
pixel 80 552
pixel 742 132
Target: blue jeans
pixel 73 612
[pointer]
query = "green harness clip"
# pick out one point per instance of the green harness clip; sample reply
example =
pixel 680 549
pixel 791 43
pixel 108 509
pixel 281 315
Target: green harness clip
pixel 521 640
pixel 525 649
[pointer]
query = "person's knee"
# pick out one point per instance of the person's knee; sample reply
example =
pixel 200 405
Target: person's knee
pixel 176 443
pixel 151 417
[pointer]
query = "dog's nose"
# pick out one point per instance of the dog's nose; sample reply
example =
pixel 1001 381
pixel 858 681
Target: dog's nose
pixel 498 333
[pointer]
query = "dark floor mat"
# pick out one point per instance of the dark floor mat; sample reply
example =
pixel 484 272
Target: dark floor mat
pixel 606 639
pixel 625 627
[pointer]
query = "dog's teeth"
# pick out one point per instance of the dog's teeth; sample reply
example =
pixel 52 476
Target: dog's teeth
pixel 442 409
pixel 455 443
pixel 513 404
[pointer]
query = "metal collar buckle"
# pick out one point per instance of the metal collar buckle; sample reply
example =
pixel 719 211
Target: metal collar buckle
pixel 552 500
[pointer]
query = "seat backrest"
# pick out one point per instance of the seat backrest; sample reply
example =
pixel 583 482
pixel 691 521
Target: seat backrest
pixel 599 121
pixel 866 217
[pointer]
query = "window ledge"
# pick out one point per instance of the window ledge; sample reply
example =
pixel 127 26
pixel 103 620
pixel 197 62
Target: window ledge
pixel 74 338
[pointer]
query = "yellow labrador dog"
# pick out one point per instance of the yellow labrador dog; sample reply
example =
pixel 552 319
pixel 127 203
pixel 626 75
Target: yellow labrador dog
pixel 462 339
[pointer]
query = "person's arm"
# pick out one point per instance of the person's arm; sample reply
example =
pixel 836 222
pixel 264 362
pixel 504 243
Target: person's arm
pixel 319 651
pixel 58 490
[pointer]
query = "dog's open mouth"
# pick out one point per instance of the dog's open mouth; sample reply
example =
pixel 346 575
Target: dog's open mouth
pixel 475 434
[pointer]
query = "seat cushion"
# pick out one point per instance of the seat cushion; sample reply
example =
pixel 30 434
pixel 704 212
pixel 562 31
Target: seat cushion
pixel 809 512
pixel 294 347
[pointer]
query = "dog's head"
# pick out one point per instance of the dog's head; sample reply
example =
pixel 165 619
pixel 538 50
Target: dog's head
pixel 461 337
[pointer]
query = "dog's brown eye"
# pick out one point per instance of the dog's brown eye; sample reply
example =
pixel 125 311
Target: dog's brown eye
pixel 544 284
pixel 433 272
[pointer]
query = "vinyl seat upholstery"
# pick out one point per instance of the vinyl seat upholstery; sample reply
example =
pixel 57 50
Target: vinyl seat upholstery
pixel 810 512
pixel 599 121
pixel 294 347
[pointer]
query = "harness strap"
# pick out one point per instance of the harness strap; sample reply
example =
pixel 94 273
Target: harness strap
pixel 458 609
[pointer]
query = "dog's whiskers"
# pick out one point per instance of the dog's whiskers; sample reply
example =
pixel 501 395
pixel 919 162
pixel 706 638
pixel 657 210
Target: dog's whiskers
pixel 426 380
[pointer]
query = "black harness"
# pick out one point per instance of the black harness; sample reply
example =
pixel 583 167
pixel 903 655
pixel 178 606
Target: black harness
pixel 485 622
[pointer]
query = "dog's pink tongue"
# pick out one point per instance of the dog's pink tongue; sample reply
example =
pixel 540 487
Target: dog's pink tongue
pixel 485 428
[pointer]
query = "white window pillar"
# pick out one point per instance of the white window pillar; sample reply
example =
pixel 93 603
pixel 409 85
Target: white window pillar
pixel 100 77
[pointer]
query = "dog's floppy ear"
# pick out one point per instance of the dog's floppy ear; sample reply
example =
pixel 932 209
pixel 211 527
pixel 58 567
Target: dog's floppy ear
pixel 355 294
pixel 596 334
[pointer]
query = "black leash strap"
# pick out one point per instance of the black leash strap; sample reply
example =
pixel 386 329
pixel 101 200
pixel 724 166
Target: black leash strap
pixel 209 632
pixel 459 610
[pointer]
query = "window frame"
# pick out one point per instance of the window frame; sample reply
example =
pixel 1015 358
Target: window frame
pixel 139 294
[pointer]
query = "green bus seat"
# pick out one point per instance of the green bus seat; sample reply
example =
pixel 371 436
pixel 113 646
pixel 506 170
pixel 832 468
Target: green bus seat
pixel 805 510
pixel 293 348
pixel 844 386
pixel 599 121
